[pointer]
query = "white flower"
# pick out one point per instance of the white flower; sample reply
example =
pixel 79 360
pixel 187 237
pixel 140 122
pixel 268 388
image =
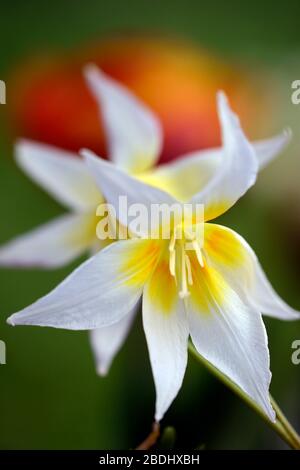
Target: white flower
pixel 134 141
pixel 215 293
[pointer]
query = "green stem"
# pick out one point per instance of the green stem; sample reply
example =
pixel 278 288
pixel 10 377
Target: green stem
pixel 286 424
pixel 281 426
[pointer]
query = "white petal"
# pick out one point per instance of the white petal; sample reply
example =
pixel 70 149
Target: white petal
pixel 107 341
pixel 266 150
pixel 263 297
pixel 189 174
pixel 239 264
pixel 62 174
pixel 98 293
pixel 231 336
pixel 51 245
pixel 134 133
pixel 167 335
pixel 239 166
pixel 116 184
pixel 185 176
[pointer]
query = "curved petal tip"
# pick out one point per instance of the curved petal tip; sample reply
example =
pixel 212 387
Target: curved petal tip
pixel 10 321
pixel 102 370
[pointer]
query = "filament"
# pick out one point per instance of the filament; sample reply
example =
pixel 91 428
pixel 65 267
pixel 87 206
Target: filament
pixel 186 275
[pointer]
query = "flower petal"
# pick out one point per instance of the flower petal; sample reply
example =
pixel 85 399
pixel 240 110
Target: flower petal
pixel 231 255
pixel 62 174
pixel 166 332
pixel 134 133
pixel 186 176
pixel 230 335
pixel 99 293
pixel 238 171
pixel 51 245
pixel 190 173
pixel 107 341
pixel 116 184
pixel 266 150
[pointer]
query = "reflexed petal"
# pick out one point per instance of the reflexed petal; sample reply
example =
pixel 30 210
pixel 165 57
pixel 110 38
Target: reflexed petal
pixel 266 150
pixel 134 133
pixel 238 171
pixel 107 341
pixel 99 293
pixel 51 245
pixel 230 335
pixel 115 183
pixel 62 174
pixel 234 258
pixel 190 173
pixel 166 331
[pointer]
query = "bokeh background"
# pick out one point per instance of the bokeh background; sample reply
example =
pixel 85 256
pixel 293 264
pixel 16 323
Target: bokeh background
pixel 50 396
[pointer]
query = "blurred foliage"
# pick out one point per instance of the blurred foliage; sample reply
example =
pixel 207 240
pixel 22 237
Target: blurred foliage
pixel 50 396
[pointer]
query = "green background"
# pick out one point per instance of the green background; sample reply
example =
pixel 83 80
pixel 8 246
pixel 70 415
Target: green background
pixel 50 396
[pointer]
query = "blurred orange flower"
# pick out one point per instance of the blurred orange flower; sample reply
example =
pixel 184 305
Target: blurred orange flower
pixel 51 103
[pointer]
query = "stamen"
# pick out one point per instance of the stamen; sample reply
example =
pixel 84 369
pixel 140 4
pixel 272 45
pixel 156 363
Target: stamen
pixel 189 270
pixel 172 262
pixel 184 289
pixel 172 259
pixel 172 242
pixel 198 253
pixel 186 277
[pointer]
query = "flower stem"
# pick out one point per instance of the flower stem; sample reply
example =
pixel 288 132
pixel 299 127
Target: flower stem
pixel 281 426
pixel 286 424
pixel 151 439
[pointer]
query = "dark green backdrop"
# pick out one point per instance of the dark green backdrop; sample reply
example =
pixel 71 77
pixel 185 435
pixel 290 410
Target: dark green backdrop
pixel 50 396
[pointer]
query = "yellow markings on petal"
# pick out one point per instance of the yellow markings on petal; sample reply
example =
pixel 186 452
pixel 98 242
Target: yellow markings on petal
pixel 86 233
pixel 208 289
pixel 141 163
pixel 181 185
pixel 160 181
pixel 163 291
pixel 223 246
pixel 139 261
pixel 182 178
pixel 215 209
